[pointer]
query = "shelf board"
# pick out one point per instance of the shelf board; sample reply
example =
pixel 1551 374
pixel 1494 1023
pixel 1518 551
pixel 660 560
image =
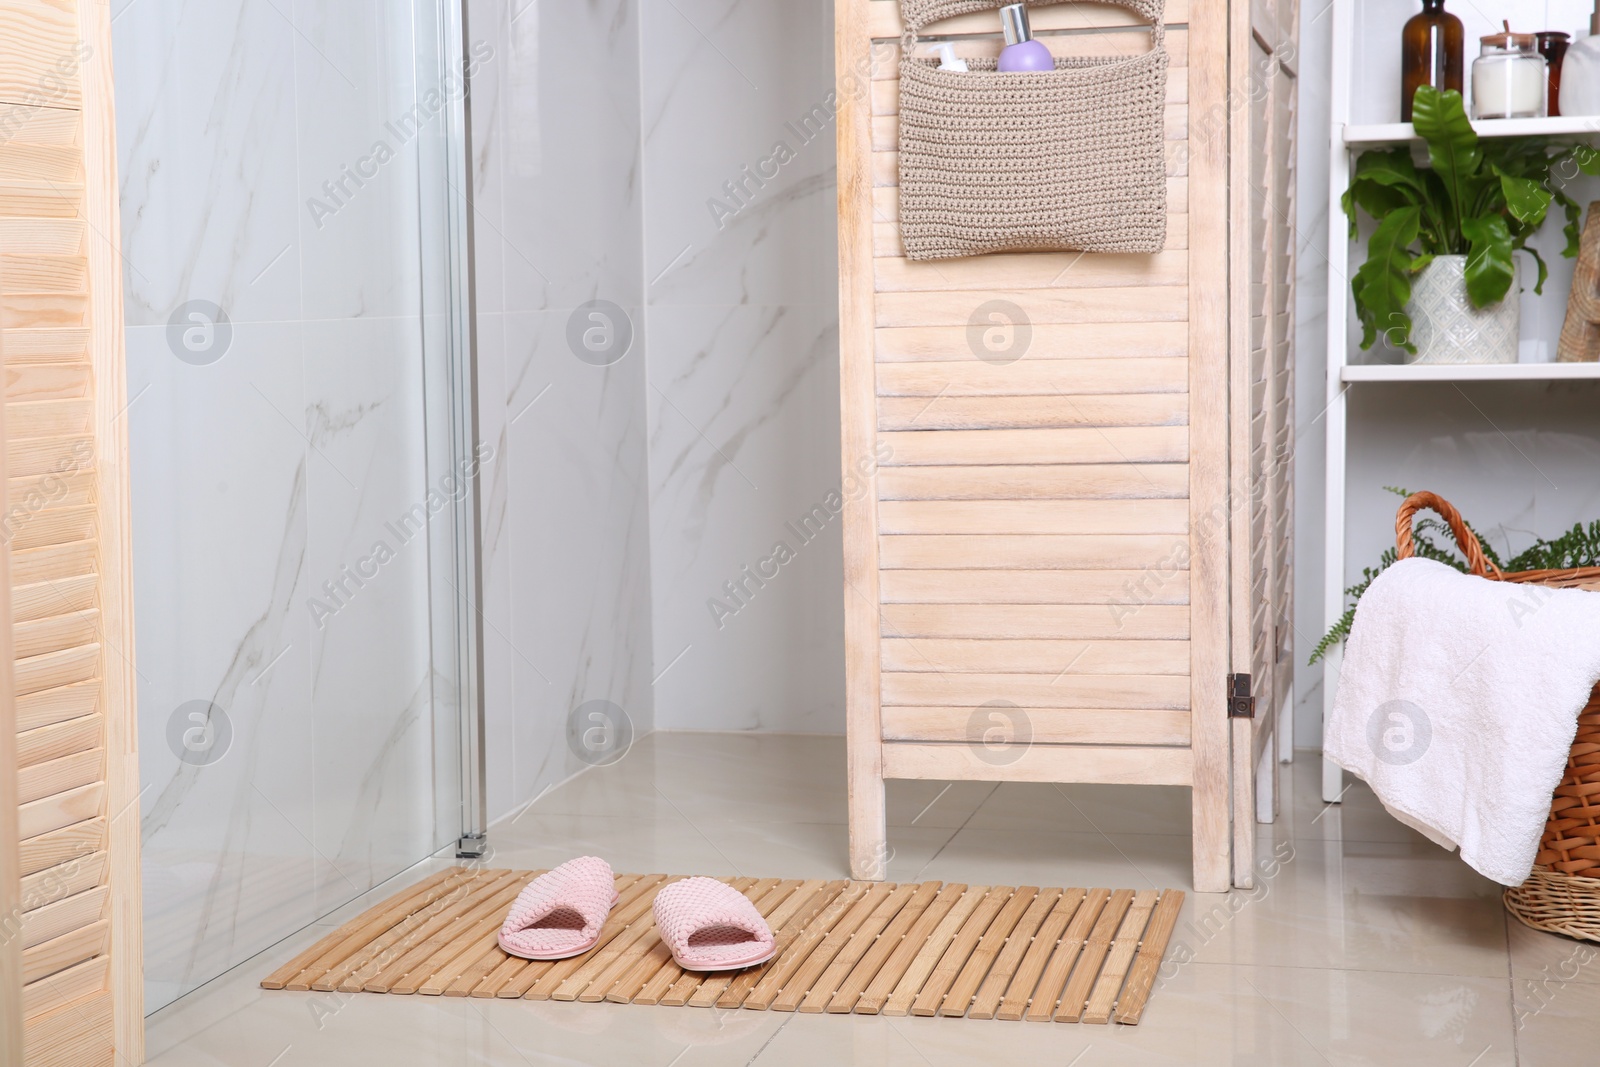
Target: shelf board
pixel 1471 372
pixel 1400 132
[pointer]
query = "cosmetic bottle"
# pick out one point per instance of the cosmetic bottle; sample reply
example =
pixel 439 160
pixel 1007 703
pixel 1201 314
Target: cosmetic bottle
pixel 1430 54
pixel 1580 72
pixel 1022 52
pixel 1553 46
pixel 948 60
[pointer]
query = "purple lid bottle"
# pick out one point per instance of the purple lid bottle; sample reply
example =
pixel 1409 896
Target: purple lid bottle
pixel 1022 52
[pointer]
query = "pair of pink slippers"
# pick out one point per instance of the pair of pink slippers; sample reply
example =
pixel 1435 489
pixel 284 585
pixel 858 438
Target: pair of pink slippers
pixel 708 925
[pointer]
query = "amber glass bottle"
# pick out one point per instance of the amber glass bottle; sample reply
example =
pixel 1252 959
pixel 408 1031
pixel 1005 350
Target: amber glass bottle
pixel 1430 50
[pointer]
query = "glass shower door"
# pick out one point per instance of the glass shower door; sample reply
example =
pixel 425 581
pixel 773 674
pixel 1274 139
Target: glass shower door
pixel 301 452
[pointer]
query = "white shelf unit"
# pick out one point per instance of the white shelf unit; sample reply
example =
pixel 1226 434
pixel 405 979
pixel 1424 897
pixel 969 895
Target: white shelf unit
pixel 1582 128
pixel 1483 372
pixel 1366 42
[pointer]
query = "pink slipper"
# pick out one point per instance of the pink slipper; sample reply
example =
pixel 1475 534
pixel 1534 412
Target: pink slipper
pixel 560 912
pixel 711 926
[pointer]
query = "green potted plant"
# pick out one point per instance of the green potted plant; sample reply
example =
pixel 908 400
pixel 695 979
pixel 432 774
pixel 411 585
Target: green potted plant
pixel 1440 277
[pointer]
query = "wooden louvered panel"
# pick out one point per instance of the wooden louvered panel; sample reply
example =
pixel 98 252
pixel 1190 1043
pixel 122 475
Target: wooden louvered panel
pixel 1034 533
pixel 1263 424
pixel 1069 622
pixel 1046 726
pixel 1053 657
pixel 1033 516
pixel 59 739
pixel 64 916
pixel 1054 341
pixel 1098 587
pixel 65 530
pixel 1069 690
pixel 73 844
pixel 1034 377
pixel 1160 553
pixel 1099 444
pixel 1104 481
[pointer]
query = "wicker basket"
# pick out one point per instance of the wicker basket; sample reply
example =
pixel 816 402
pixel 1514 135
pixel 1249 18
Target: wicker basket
pixel 1562 895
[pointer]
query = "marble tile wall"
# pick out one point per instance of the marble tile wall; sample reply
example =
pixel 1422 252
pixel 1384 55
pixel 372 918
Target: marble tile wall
pixel 270 453
pixel 742 312
pixel 562 395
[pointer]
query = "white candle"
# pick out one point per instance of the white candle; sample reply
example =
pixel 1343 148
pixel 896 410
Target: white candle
pixel 1508 86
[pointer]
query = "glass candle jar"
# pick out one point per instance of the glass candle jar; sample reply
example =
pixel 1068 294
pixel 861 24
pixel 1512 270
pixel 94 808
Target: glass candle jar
pixel 1508 78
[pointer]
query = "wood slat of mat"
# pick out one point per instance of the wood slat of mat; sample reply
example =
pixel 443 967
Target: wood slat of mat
pixel 1145 967
pixel 808 898
pixel 353 975
pixel 1043 1005
pixel 510 967
pixel 883 983
pixel 950 965
pixel 832 981
pixel 933 949
pixel 436 942
pixel 468 947
pixel 639 922
pixel 739 986
pixel 805 978
pixel 634 969
pixel 883 950
pixel 325 953
pixel 959 997
pixel 670 974
pixel 787 963
pixel 1018 943
pixel 1021 990
pixel 1104 996
pixel 1076 995
pixel 531 981
pixel 367 940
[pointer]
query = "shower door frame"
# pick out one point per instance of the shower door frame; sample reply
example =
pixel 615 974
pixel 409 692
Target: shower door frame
pixel 453 447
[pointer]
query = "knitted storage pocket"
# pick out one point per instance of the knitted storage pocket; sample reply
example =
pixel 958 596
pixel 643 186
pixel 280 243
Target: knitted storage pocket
pixel 1065 159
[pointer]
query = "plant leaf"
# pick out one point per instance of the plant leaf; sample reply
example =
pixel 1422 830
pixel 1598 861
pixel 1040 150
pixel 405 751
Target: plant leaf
pixel 1440 119
pixel 1489 265
pixel 1544 270
pixel 1526 199
pixel 1382 284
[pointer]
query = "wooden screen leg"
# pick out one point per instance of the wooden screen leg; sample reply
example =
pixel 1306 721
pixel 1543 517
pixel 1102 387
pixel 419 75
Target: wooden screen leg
pixel 1245 786
pixel 869 820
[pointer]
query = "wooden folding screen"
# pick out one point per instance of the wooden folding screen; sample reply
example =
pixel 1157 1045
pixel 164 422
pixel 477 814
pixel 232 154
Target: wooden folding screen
pixel 65 533
pixel 1265 35
pixel 1039 588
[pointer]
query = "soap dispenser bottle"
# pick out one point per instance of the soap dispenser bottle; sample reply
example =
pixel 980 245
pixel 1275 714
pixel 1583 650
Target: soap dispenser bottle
pixel 1580 72
pixel 1022 52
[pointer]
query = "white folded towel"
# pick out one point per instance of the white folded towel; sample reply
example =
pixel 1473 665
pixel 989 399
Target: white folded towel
pixel 1458 702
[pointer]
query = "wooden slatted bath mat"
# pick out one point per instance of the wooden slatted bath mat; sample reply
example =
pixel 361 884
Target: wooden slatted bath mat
pixel 983 952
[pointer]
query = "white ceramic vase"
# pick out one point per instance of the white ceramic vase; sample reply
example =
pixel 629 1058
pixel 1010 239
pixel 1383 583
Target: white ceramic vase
pixel 1446 328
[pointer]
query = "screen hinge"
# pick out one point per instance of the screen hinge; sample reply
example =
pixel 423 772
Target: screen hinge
pixel 1241 703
